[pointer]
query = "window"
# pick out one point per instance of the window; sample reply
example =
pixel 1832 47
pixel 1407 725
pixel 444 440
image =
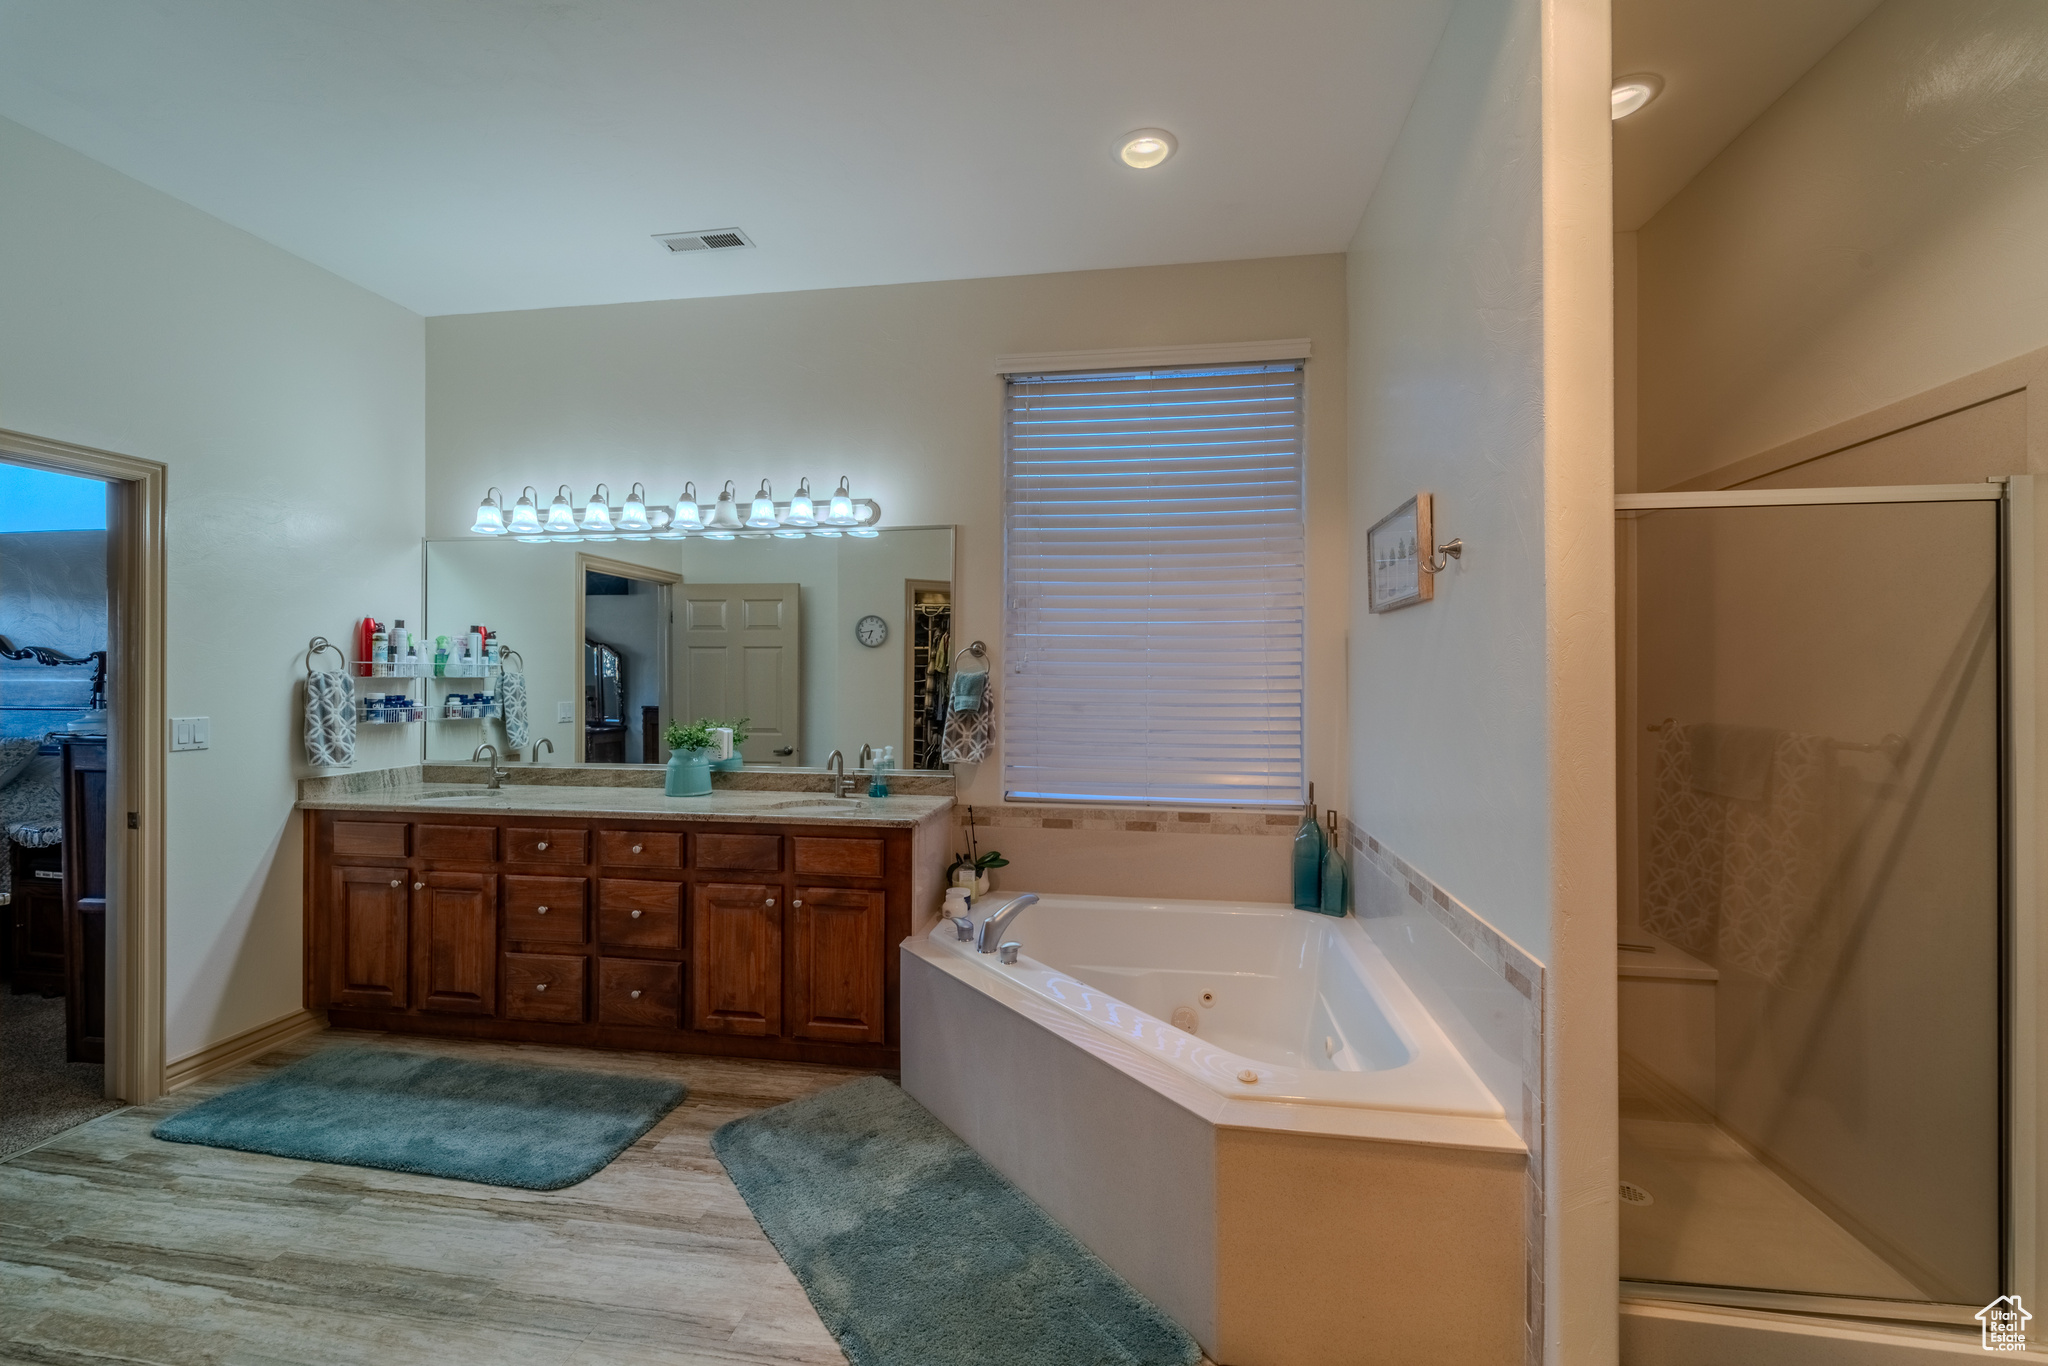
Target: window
pixel 1154 580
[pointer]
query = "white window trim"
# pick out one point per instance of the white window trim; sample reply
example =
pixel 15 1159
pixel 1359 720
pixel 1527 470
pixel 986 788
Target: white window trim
pixel 1159 357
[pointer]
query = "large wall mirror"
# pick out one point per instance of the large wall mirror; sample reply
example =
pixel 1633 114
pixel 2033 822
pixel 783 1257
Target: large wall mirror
pixel 821 644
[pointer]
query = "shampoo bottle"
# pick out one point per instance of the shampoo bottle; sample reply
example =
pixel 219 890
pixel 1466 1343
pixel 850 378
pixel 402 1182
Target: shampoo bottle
pixel 1309 847
pixel 1336 875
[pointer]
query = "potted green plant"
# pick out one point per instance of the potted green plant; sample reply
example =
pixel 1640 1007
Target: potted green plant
pixel 689 759
pixel 739 737
pixel 972 868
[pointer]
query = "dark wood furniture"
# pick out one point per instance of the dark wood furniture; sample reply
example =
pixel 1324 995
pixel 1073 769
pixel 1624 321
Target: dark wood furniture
pixel 694 937
pixel 35 921
pixel 650 736
pixel 604 742
pixel 85 900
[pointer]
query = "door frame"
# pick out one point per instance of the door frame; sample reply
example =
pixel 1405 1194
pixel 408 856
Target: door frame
pixel 137 729
pixel 664 615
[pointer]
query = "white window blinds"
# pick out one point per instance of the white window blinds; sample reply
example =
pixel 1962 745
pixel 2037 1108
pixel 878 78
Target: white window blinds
pixel 1154 567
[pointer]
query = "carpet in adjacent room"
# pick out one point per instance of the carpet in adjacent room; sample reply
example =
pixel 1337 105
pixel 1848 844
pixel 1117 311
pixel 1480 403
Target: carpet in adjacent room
pixel 915 1251
pixel 42 1095
pixel 498 1124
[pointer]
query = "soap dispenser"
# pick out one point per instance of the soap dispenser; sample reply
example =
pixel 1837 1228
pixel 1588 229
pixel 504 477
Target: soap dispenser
pixel 1309 847
pixel 1336 874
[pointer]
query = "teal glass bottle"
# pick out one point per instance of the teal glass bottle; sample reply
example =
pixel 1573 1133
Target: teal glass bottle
pixel 1309 847
pixel 1336 874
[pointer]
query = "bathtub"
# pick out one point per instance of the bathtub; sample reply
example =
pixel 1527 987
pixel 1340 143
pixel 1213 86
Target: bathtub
pixel 1225 1100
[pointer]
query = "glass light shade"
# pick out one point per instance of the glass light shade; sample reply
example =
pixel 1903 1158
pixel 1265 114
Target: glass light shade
pixel 802 511
pixel 490 518
pixel 561 517
pixel 719 535
pixel 787 535
pixel 763 515
pixel 725 514
pixel 688 516
pixel 597 516
pixel 534 540
pixel 525 517
pixel 864 532
pixel 633 516
pixel 635 536
pixel 827 532
pixel 842 506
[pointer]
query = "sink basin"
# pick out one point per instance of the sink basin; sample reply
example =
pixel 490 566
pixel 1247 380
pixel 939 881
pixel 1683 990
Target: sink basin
pixel 823 804
pixel 466 795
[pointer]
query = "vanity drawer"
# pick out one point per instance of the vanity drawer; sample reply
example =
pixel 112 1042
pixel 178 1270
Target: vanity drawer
pixel 375 839
pixel 458 843
pixel 836 857
pixel 640 848
pixel 635 992
pixel 551 910
pixel 544 986
pixel 528 844
pixel 740 853
pixel 639 915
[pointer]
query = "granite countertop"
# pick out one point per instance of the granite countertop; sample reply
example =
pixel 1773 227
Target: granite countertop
pixel 553 799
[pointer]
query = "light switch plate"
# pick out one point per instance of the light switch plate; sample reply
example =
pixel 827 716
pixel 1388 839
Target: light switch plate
pixel 565 712
pixel 191 732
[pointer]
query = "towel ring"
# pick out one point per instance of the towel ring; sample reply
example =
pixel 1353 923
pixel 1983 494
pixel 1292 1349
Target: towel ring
pixel 315 646
pixel 507 652
pixel 979 651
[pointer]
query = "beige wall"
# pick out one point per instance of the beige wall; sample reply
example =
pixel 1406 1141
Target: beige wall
pixel 1875 233
pixel 895 386
pixel 288 406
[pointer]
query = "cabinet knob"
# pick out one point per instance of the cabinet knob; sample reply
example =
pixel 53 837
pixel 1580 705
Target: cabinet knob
pixel 771 901
pixel 540 910
pixel 398 882
pixel 636 848
pixel 418 885
pixel 542 845
pixel 540 986
pixel 796 904
pixel 636 995
pixel 636 915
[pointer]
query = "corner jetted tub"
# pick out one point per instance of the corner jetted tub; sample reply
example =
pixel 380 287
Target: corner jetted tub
pixel 1225 1100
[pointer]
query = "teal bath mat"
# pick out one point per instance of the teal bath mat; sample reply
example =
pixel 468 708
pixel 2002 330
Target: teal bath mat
pixel 915 1252
pixel 538 1128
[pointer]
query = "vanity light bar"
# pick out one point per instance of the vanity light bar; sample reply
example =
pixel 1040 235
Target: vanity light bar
pixel 728 518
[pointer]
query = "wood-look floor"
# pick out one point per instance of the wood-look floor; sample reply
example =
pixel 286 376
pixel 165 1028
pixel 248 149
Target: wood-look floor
pixel 117 1247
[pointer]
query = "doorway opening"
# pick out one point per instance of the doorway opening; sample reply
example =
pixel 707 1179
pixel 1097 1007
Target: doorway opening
pixel 624 629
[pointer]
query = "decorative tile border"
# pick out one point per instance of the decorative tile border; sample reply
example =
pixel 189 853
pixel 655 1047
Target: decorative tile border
pixel 1142 819
pixel 1506 960
pixel 608 775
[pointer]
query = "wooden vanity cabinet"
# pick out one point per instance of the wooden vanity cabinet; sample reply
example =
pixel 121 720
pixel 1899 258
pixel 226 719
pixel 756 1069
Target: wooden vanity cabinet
pixel 612 933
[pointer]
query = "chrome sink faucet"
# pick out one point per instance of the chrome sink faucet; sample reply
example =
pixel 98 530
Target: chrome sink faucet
pixel 533 750
pixel 835 764
pixel 999 920
pixel 497 774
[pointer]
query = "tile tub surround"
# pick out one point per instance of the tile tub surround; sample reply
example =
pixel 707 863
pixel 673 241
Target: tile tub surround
pixel 1485 991
pixel 1232 1230
pixel 1136 850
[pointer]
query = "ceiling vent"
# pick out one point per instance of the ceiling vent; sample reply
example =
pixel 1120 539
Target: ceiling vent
pixel 706 239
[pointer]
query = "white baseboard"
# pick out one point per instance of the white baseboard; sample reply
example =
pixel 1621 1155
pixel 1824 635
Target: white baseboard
pixel 239 1048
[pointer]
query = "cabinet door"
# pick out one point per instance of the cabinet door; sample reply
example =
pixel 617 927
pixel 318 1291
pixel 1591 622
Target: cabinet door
pixel 736 958
pixel 366 910
pixel 455 942
pixel 835 982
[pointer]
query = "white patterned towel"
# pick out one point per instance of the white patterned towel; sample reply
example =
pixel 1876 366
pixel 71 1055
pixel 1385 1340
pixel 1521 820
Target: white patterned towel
pixel 512 703
pixel 330 720
pixel 970 736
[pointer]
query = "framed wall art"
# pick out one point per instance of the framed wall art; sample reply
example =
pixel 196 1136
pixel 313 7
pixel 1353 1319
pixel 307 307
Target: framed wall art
pixel 1398 547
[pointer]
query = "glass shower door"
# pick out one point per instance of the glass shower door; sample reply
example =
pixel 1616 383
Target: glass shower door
pixel 1810 958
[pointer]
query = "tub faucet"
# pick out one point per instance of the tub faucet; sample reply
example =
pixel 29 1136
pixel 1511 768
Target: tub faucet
pixel 533 751
pixel 835 764
pixel 497 774
pixel 999 920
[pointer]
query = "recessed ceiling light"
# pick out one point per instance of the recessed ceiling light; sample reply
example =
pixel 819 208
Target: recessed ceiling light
pixel 1145 148
pixel 1633 92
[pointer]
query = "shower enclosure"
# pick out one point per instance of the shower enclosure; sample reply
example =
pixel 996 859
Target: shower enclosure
pixel 1815 949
